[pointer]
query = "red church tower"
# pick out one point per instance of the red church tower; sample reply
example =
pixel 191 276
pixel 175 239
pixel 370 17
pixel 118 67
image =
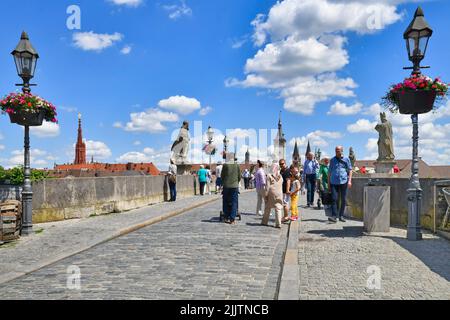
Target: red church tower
pixel 80 149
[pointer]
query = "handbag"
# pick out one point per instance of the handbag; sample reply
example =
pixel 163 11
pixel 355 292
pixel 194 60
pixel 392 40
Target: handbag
pixel 327 198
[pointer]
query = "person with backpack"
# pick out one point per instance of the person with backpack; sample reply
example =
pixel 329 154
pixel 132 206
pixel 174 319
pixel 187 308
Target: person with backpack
pixel 339 180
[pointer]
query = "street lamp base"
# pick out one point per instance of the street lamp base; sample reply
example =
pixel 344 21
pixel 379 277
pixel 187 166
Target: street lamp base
pixel 27 230
pixel 414 235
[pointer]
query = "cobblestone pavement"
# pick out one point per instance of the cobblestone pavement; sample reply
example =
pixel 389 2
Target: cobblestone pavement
pixel 334 261
pixel 191 256
pixel 57 240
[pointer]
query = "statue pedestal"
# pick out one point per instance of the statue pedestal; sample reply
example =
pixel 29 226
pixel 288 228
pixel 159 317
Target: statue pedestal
pixel 386 166
pixel 184 169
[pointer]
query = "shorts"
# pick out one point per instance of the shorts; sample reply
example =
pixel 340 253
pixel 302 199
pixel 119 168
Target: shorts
pixel 219 182
pixel 286 199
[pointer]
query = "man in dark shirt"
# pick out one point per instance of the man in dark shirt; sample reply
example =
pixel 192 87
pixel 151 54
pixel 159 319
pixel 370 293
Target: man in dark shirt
pixel 231 177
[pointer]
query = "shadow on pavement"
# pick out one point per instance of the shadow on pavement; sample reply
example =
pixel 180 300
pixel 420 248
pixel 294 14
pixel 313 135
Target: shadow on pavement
pixel 213 220
pixel 314 220
pixel 434 253
pixel 345 232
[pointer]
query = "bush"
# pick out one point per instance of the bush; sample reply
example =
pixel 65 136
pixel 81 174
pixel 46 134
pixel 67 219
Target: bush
pixel 16 176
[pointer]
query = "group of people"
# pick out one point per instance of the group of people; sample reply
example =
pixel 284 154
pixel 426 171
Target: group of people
pixel 280 188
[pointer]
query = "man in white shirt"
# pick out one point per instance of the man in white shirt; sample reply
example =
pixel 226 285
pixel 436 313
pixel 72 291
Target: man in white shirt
pixel 218 177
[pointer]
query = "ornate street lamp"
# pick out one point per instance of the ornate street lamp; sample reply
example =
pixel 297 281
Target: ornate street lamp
pixel 417 36
pixel 225 147
pixel 25 58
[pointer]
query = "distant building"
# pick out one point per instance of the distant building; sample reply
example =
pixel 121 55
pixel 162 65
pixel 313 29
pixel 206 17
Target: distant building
pixel 80 147
pixel 279 143
pixel 296 158
pixel 247 157
pixel 82 169
pixel 308 149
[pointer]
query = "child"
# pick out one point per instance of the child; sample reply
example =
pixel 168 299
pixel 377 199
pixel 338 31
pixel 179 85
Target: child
pixel 295 188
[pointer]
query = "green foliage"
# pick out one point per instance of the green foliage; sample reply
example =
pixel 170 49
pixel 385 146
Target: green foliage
pixel 16 175
pixel 2 173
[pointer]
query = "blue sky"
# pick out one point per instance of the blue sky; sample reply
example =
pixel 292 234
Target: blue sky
pixel 137 68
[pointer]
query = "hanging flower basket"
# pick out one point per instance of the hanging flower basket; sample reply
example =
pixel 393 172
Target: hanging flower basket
pixel 417 94
pixel 26 109
pixel 412 102
pixel 25 118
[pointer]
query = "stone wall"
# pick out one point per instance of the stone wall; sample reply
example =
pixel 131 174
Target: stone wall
pixel 60 199
pixel 399 201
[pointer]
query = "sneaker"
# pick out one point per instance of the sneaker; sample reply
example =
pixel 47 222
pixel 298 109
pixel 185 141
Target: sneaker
pixel 341 219
pixel 227 220
pixel 278 227
pixel 294 218
pixel 332 219
pixel 260 213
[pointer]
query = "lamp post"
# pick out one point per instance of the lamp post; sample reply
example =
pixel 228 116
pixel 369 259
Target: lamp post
pixel 225 147
pixel 210 135
pixel 417 36
pixel 25 58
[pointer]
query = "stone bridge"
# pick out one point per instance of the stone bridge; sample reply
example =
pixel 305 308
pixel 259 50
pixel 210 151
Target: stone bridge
pixel 180 250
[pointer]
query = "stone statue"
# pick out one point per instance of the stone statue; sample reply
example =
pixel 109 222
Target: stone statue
pixel 385 141
pixel 352 157
pixel 318 154
pixel 180 147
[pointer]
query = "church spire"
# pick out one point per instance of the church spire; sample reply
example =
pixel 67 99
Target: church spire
pixel 308 149
pixel 80 148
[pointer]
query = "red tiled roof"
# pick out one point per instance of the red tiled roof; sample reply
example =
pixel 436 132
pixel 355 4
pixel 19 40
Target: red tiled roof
pixel 148 168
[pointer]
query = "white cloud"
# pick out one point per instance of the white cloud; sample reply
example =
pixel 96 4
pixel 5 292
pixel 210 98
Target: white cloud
pixel 205 111
pixel 342 109
pixel 97 149
pixel 2 147
pixel 180 104
pixel 47 130
pixel 133 157
pixel 38 159
pixel 238 43
pixel 148 121
pixel 313 18
pixel 362 125
pixel 137 143
pixel 303 46
pixel 90 41
pixel 126 50
pixel 160 157
pixel 178 10
pixel 318 138
pixel 68 109
pixel 128 3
